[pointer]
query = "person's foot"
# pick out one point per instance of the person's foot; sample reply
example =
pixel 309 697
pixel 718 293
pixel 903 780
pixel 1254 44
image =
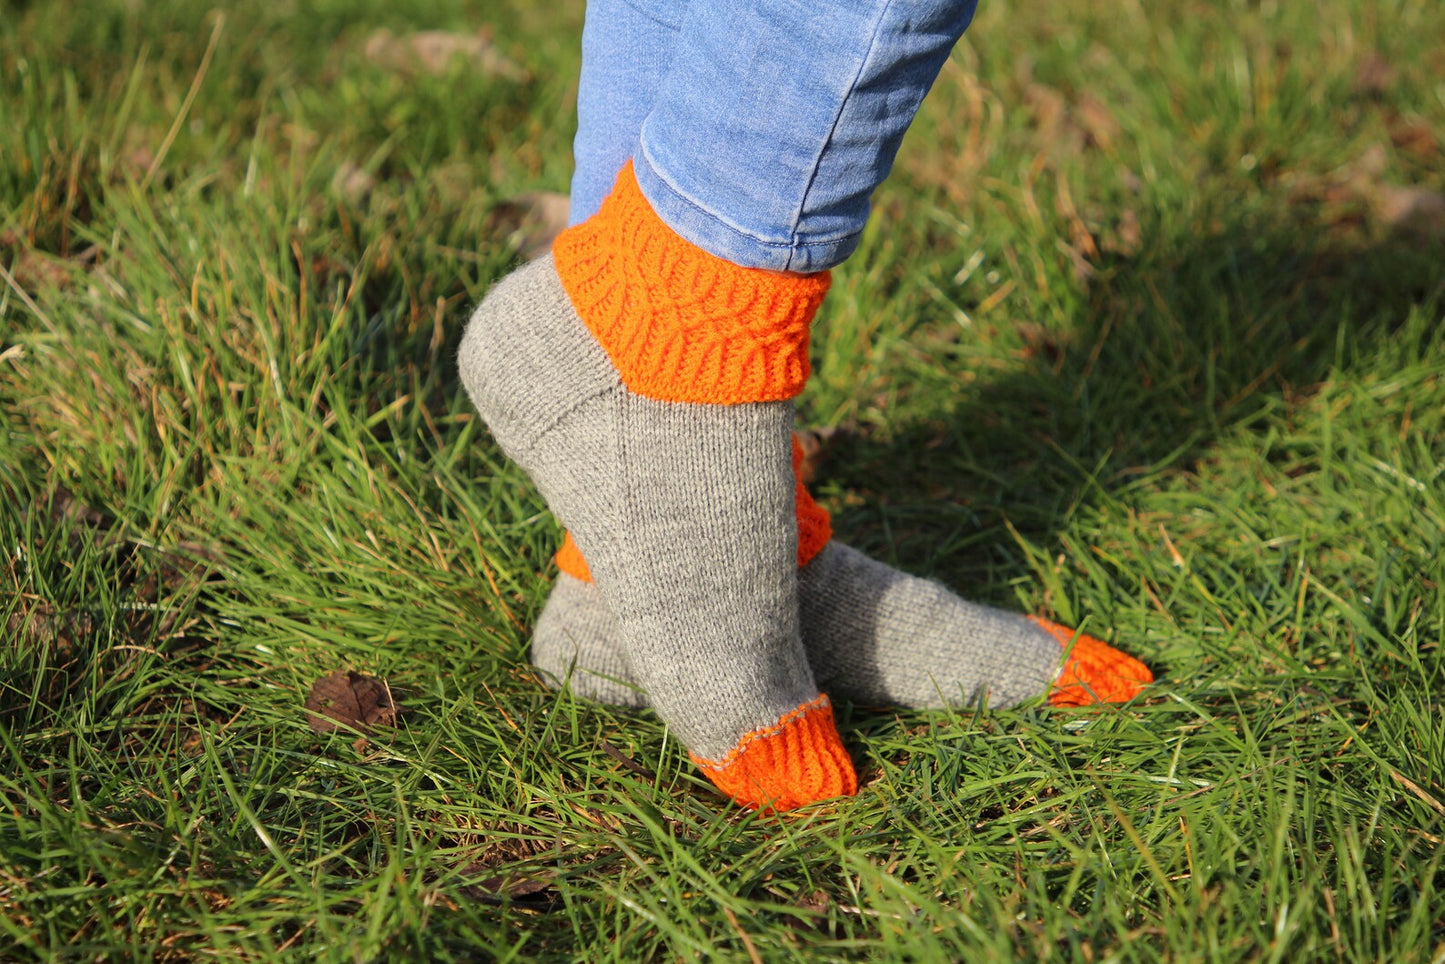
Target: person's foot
pixel 646 387
pixel 873 635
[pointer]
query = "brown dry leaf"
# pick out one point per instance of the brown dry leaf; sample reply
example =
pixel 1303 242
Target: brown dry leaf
pixel 432 52
pixel 814 908
pixel 532 221
pixel 1356 194
pixel 1372 163
pixel 815 903
pixel 534 888
pixel 350 700
pixel 509 869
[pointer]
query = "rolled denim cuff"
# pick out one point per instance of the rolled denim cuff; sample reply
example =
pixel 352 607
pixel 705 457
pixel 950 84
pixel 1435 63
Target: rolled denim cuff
pixel 741 244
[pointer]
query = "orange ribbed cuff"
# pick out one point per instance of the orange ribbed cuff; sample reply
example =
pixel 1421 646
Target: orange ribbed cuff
pixel 797 761
pixel 680 324
pixel 1095 672
pixel 815 528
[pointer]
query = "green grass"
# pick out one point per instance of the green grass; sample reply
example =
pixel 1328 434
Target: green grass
pixel 1136 339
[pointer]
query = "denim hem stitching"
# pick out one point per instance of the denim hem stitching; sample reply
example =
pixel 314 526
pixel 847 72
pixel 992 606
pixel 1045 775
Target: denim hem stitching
pixel 675 26
pixel 793 245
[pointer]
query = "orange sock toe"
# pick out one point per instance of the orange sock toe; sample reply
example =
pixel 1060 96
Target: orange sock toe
pixel 1095 672
pixel 797 761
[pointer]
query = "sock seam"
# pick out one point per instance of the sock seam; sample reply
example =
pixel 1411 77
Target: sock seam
pixel 552 425
pixel 819 702
pixel 795 244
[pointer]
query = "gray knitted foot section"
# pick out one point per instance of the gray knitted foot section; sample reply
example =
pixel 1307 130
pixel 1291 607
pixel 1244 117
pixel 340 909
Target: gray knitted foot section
pixel 565 646
pixel 873 635
pixel 899 639
pixel 682 510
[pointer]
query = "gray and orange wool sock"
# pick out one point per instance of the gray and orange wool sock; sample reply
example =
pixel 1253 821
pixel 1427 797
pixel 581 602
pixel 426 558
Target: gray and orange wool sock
pixel 646 386
pixel 873 635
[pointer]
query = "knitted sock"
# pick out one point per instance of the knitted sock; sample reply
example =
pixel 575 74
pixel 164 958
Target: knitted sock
pixel 873 635
pixel 646 387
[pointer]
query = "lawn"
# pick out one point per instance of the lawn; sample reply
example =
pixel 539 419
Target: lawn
pixel 1145 336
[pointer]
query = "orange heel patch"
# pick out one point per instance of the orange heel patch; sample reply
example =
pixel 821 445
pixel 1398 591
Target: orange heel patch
pixel 569 559
pixel 815 525
pixel 1095 672
pixel 797 761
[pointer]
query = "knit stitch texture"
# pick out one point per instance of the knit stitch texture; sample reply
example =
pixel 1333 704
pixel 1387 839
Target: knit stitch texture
pixel 679 324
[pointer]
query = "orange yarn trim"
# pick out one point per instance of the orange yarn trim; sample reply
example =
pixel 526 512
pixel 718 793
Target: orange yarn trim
pixel 680 324
pixel 797 761
pixel 1095 672
pixel 569 559
pixel 815 525
pixel 815 528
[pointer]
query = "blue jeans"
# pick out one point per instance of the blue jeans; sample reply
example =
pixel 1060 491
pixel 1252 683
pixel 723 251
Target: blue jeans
pixel 758 128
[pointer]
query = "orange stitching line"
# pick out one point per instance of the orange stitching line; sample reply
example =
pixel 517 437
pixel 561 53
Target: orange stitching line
pixel 818 703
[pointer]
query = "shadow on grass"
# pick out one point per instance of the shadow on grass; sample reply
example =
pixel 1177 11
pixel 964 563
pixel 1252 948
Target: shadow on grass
pixel 1195 337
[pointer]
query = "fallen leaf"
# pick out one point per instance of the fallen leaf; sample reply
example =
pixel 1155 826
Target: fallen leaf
pixel 534 888
pixel 350 700
pixel 1356 193
pixel 432 52
pixel 814 906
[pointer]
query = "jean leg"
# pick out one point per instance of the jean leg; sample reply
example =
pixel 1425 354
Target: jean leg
pixel 778 119
pixel 627 48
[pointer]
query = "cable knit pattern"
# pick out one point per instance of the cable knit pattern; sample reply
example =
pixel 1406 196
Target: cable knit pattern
pixel 815 528
pixel 680 324
pixel 797 761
